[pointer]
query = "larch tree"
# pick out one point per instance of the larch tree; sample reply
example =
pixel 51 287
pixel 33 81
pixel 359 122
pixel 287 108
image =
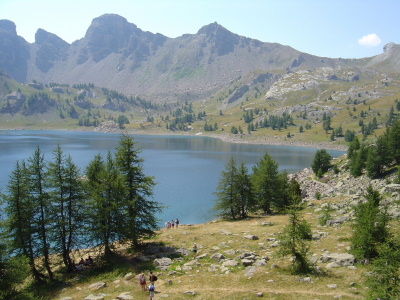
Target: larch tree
pixel 141 209
pixel 40 199
pixel 266 183
pixel 19 210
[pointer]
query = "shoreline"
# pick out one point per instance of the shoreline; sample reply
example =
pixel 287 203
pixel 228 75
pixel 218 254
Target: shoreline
pixel 266 140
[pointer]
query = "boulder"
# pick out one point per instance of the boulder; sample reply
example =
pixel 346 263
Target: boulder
pixel 260 294
pixel 305 279
pixel 201 256
pixel 217 256
pixel 342 259
pixel 191 293
pixel 66 298
pixel 337 221
pixel 96 297
pixel 260 262
pixel 331 286
pixel 125 296
pixel 97 285
pixel 230 263
pixel 247 262
pixel 163 262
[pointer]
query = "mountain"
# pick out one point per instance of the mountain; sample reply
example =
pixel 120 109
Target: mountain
pixel 117 54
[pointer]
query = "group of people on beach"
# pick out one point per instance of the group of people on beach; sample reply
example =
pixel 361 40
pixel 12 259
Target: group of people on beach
pixel 143 284
pixel 84 263
pixel 172 224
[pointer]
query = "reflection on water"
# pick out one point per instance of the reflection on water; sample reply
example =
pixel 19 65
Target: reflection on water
pixel 186 169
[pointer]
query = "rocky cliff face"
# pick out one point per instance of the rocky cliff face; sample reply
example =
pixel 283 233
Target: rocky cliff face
pixel 117 54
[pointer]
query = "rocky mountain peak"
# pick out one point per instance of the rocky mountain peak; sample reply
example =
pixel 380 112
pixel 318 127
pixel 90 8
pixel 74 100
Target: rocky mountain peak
pixel 44 37
pixel 390 47
pixel 212 29
pixel 8 26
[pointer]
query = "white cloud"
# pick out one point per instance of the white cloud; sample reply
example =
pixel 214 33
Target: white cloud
pixel 370 40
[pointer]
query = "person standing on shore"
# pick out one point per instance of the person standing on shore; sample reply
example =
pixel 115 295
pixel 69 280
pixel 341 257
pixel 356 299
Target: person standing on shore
pixel 142 282
pixel 152 290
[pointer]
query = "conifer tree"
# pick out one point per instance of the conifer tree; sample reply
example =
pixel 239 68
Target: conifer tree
pixel 66 197
pixel 141 221
pixel 394 141
pixel 13 271
pixel 294 239
pixel 384 281
pixel 245 192
pixel 321 162
pixel 19 210
pixel 227 191
pixel 104 187
pixel 266 183
pixel 370 227
pixel 40 199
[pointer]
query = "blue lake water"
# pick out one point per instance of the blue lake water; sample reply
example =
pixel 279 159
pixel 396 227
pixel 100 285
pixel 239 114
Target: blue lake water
pixel 186 169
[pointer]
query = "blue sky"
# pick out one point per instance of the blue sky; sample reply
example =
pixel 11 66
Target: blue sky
pixel 340 28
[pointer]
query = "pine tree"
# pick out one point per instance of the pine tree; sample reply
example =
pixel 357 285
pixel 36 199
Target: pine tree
pixel 141 221
pixel 370 227
pixel 20 218
pixel 40 199
pixel 266 183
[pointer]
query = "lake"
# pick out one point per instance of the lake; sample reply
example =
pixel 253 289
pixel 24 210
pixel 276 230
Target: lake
pixel 186 168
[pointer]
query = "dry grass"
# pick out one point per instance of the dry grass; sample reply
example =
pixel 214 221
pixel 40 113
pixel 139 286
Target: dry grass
pixel 275 283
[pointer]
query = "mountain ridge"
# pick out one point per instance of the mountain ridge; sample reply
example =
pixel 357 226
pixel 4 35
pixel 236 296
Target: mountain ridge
pixel 117 54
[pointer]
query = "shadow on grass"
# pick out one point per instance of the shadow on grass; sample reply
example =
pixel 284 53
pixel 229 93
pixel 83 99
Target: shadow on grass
pixel 108 268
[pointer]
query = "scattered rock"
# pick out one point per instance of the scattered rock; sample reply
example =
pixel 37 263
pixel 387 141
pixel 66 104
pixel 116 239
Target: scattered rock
pixel 204 255
pixel 66 298
pixel 187 268
pixel 129 276
pixel 192 293
pixel 342 259
pixel 305 279
pixel 251 237
pixel 96 297
pixel 260 262
pixel 217 256
pixel 183 251
pixel 247 262
pixel 266 224
pixel 230 252
pixel 331 286
pixel 125 296
pixel 213 268
pixel 275 244
pixel 230 263
pixel 97 285
pixel 250 271
pixel 163 262
pixel 260 294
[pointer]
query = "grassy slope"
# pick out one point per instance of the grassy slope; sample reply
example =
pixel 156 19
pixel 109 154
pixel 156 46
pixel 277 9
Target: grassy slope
pixel 275 283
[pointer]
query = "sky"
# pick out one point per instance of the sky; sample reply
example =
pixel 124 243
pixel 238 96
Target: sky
pixel 332 28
